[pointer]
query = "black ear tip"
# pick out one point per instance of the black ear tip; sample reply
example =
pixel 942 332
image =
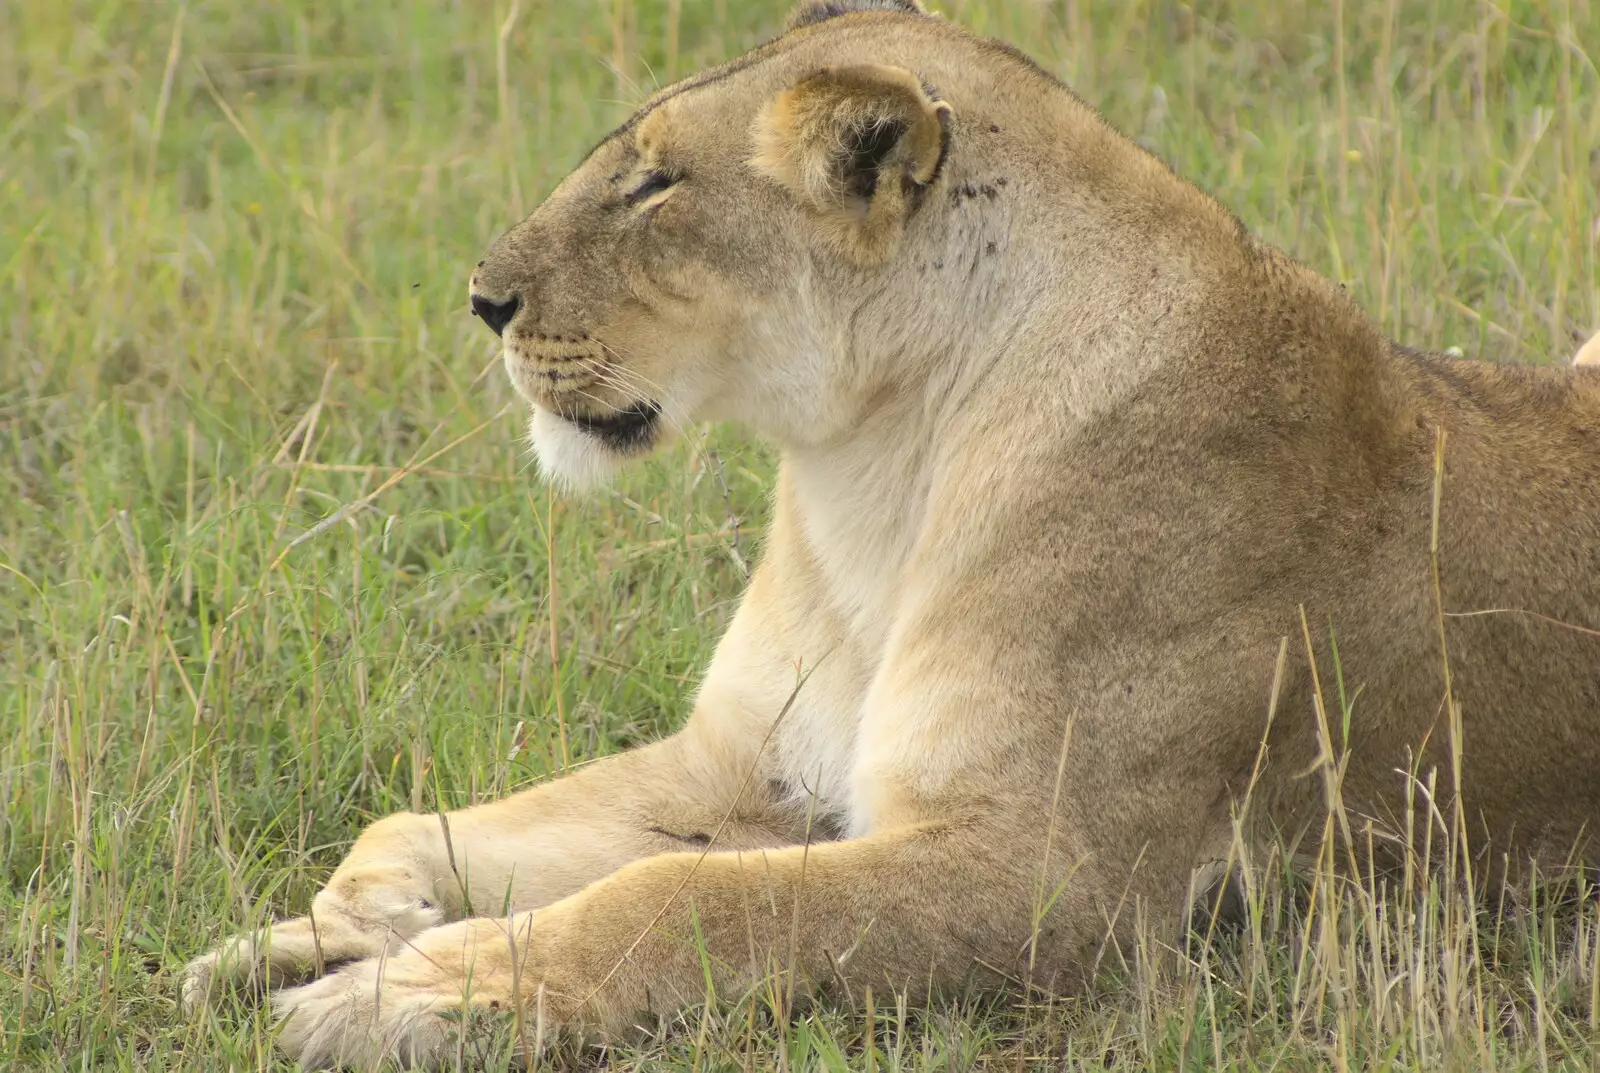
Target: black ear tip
pixel 944 113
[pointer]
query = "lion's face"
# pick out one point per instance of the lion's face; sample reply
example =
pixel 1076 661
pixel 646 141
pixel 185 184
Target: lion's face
pixel 703 261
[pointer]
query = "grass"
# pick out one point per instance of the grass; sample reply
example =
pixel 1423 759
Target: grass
pixel 234 240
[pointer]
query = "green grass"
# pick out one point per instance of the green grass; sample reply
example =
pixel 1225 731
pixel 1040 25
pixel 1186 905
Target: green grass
pixel 234 241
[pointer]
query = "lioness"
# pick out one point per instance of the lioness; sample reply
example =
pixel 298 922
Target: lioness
pixel 1077 475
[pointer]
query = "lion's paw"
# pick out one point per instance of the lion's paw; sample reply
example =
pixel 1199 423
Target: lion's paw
pixel 248 963
pixel 361 1014
pixel 295 951
pixel 202 977
pixel 406 1008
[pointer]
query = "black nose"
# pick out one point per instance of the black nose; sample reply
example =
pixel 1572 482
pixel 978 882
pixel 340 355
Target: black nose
pixel 495 314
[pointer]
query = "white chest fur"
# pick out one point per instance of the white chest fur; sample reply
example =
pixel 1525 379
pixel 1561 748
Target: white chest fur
pixel 858 511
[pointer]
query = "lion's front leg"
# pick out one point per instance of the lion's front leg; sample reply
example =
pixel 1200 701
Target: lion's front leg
pixel 409 873
pixel 897 910
pixel 709 784
pixel 1016 872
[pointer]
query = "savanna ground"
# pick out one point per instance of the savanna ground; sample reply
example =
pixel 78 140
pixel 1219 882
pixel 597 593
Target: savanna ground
pixel 273 564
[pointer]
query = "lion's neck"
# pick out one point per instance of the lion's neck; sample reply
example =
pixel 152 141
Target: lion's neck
pixel 1003 339
pixel 860 501
pixel 861 495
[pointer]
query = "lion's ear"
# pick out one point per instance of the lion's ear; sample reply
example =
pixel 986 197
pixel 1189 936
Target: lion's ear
pixel 859 146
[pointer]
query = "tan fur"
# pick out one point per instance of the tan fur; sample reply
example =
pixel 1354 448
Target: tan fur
pixel 1064 464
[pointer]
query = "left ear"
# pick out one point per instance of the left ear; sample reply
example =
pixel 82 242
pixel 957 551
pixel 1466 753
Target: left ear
pixel 860 146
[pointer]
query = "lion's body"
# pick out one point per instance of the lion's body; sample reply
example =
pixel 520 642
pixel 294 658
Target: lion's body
pixel 1069 460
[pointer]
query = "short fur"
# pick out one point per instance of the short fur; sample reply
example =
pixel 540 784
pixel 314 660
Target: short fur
pixel 1068 460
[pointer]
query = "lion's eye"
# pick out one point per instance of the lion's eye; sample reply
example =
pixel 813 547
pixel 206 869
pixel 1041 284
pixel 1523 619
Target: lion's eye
pixel 653 183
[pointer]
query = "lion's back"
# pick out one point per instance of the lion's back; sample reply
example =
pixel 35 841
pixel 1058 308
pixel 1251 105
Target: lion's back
pixel 1519 572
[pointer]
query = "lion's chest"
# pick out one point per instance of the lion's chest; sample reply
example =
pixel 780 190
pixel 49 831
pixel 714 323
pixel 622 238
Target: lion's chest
pixel 816 749
pixel 839 647
pixel 859 558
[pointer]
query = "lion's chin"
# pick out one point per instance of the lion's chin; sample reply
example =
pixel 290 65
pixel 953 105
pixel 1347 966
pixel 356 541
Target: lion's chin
pixel 569 457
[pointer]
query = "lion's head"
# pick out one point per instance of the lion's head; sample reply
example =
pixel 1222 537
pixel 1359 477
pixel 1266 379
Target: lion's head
pixel 723 255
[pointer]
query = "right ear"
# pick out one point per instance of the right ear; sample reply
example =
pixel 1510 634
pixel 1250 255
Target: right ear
pixel 859 146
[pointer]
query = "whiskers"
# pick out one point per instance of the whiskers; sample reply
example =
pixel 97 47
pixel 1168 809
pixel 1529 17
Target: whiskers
pixel 603 370
pixel 634 384
pixel 613 362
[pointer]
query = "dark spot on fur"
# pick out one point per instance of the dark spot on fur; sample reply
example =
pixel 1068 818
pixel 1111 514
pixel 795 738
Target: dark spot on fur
pixel 480 264
pixel 938 265
pixel 994 128
pixel 991 247
pixel 989 192
pixel 1001 181
pixel 697 838
pixel 963 192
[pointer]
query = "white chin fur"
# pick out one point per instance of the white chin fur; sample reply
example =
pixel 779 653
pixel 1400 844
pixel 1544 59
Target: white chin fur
pixel 568 457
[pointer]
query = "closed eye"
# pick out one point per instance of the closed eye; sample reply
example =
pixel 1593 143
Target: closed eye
pixel 653 183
